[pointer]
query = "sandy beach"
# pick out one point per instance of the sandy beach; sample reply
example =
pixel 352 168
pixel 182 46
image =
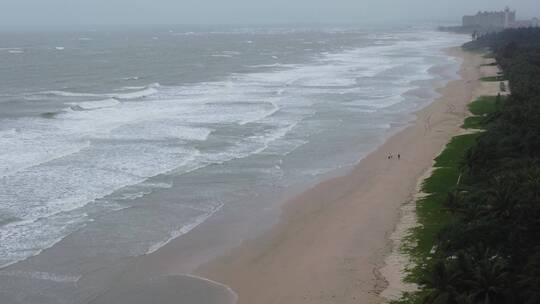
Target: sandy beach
pixel 333 239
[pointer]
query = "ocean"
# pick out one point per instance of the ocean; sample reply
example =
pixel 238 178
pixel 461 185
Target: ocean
pixel 115 142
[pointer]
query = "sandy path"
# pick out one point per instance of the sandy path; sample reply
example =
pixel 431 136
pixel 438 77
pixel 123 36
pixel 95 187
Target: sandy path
pixel 334 237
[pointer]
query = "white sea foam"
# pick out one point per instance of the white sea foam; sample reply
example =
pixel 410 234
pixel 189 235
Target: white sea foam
pixel 157 185
pixel 184 229
pixel 221 55
pixel 89 105
pixel 130 88
pixel 132 78
pixel 25 147
pixel 70 94
pixel 40 275
pixel 139 93
pixel 185 34
pixel 273 65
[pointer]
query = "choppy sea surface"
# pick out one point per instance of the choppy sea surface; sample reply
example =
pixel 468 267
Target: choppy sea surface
pixel 119 141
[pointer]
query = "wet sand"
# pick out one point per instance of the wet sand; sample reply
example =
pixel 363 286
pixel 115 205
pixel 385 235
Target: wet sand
pixel 168 290
pixel 333 239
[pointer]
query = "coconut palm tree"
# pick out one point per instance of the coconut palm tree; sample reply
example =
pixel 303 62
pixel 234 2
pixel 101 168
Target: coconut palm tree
pixel 441 283
pixel 488 282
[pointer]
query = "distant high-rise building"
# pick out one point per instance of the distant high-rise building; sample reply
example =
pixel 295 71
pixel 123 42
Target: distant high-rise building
pixel 487 22
pixel 534 22
pixel 501 19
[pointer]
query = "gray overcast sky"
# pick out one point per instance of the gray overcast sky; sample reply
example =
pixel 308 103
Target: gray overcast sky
pixel 107 12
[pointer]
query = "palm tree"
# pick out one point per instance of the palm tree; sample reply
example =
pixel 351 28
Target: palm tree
pixel 488 279
pixel 529 281
pixel 441 285
pixel 502 196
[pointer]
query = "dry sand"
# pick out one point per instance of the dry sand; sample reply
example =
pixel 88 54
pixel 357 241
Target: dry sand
pixel 332 239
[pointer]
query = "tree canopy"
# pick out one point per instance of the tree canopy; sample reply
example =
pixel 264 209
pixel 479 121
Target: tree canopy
pixel 489 252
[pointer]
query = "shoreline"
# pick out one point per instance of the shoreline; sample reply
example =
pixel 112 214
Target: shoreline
pixel 399 262
pixel 291 257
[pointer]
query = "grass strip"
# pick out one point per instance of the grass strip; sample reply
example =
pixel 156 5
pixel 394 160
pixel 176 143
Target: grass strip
pixel 483 108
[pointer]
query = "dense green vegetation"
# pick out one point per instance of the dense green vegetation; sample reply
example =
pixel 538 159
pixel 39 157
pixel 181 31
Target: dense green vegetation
pixel 480 239
pixel 484 111
pixel 489 64
pixel 493 78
